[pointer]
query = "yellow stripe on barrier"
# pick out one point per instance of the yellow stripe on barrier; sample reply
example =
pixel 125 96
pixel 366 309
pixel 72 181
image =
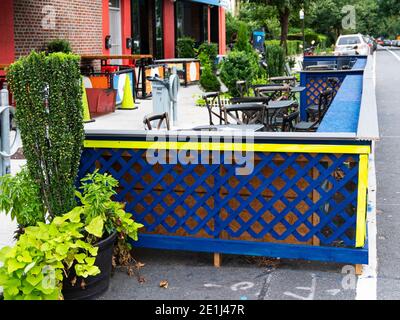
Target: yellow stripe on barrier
pixel 361 231
pixel 216 146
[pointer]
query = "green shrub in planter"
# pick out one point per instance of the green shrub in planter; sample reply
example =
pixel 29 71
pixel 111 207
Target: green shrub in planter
pixel 186 48
pixel 20 197
pixel 208 53
pixel 48 94
pixel 208 80
pixel 238 65
pixel 243 38
pixel 59 45
pixel 275 56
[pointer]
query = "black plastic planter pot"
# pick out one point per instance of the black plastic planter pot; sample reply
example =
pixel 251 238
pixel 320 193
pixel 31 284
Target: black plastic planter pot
pixel 97 285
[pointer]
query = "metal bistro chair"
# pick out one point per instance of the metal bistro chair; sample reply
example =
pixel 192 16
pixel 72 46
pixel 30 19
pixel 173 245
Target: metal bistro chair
pixel 313 110
pixel 323 106
pixel 162 119
pixel 273 91
pixel 212 98
pixel 247 113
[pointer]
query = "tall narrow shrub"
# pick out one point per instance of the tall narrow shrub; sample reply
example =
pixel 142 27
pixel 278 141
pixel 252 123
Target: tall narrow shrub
pixel 48 95
pixel 275 56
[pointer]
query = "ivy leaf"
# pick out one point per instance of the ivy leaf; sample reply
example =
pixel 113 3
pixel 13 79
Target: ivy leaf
pixel 29 267
pixel 3 253
pixel 14 265
pixel 95 227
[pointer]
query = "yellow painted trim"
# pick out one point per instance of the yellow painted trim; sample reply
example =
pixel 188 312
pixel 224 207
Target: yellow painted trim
pixel 361 231
pixel 212 146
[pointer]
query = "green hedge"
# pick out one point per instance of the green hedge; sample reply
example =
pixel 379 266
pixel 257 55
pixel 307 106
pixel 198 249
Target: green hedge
pixel 293 46
pixel 48 94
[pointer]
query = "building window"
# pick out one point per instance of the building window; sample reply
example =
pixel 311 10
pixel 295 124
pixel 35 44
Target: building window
pixel 114 4
pixel 159 30
pixel 192 21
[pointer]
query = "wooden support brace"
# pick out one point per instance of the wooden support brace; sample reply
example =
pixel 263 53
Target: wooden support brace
pixel 217 260
pixel 359 269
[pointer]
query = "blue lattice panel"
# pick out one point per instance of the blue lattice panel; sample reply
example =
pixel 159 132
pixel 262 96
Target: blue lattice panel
pixel 289 198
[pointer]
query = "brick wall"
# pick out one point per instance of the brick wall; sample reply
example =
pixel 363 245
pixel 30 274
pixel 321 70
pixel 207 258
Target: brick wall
pixel 79 21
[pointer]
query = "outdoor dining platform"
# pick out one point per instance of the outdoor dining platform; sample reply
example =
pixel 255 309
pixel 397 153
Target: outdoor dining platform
pixel 300 195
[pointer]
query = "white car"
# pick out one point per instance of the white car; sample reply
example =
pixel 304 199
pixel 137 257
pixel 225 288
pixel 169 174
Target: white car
pixel 353 44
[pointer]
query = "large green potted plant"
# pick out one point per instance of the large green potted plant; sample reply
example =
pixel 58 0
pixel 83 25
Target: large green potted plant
pixel 70 257
pixel 48 94
pixel 106 222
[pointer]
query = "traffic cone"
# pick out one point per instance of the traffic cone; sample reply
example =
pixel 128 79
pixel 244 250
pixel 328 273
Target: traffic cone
pixel 85 105
pixel 127 102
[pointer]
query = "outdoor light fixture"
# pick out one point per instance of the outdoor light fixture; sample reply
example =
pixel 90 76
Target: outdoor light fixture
pixel 302 14
pixel 108 42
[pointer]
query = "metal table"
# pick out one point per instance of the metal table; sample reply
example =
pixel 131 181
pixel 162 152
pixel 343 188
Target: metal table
pixel 231 127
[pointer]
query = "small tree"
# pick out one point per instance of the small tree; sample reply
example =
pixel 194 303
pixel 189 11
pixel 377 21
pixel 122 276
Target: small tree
pixel 48 95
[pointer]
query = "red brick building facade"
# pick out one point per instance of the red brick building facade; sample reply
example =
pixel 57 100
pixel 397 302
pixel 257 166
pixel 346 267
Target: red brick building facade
pixel 153 25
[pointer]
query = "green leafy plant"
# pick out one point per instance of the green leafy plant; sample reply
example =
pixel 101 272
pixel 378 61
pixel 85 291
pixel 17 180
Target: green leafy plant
pixel 35 267
pixel 20 197
pixel 48 94
pixel 105 216
pixel 186 47
pixel 59 45
pixel 238 65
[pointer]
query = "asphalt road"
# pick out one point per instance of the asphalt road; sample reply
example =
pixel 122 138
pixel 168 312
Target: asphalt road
pixel 388 173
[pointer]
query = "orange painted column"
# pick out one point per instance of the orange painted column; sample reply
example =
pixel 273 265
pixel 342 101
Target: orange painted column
pixel 7 46
pixel 169 28
pixel 222 31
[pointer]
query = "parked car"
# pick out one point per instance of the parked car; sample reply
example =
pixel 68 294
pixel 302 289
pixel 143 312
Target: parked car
pixel 354 44
pixel 387 43
pixel 380 42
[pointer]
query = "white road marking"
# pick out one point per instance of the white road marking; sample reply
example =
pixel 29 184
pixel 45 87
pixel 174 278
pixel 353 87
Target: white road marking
pixel 333 292
pixel 311 289
pixel 211 285
pixel 367 282
pixel 394 54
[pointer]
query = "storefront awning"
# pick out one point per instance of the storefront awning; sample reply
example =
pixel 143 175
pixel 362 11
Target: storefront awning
pixel 210 2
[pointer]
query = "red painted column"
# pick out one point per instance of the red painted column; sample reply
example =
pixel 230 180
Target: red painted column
pixel 222 31
pixel 169 28
pixel 7 46
pixel 126 25
pixel 106 25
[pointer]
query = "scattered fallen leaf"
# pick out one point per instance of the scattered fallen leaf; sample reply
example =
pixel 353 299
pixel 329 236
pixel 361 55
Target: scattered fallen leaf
pixel 142 280
pixel 140 265
pixel 164 284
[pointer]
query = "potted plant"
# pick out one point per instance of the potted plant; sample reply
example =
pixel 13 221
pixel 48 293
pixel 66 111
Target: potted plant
pixel 71 257
pixel 106 222
pixel 75 238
